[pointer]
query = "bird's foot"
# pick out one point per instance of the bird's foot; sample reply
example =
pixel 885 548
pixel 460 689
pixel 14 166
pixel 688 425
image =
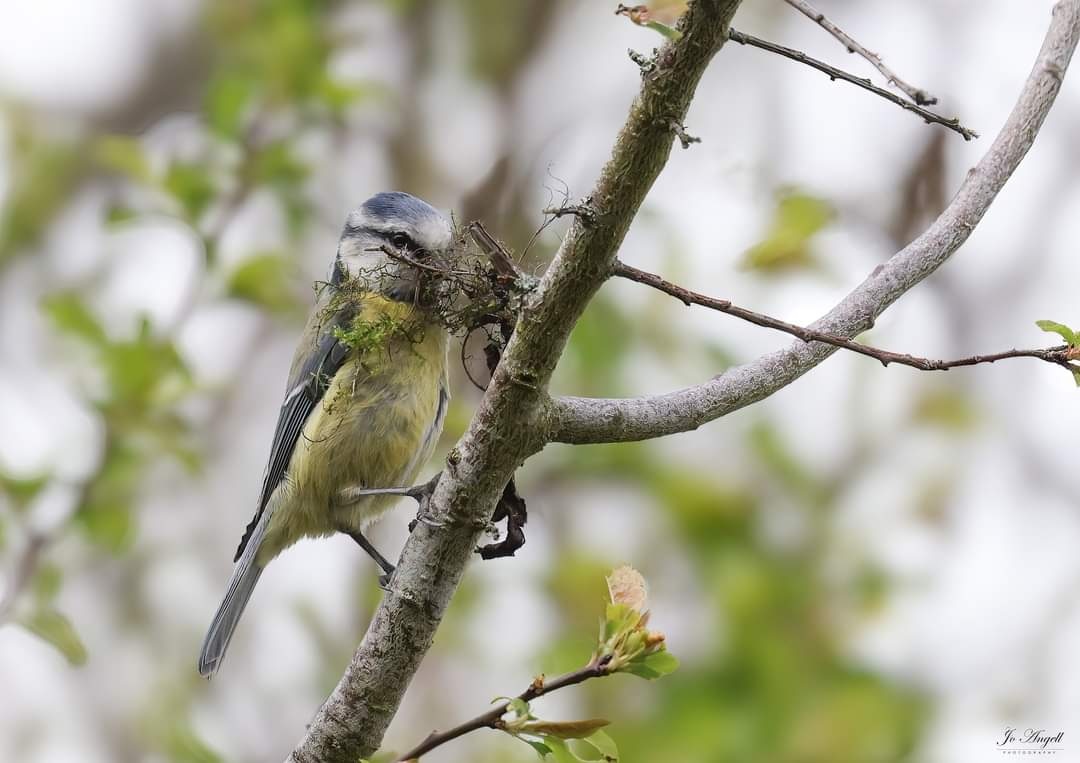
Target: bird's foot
pixel 422 494
pixel 511 507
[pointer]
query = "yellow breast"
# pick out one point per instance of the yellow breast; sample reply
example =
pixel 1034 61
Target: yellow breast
pixel 375 427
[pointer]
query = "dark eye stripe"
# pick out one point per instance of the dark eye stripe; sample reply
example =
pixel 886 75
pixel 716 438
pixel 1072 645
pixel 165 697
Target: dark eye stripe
pixel 399 239
pixel 402 241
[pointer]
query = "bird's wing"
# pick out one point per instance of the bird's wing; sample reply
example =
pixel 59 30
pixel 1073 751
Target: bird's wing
pixel 319 357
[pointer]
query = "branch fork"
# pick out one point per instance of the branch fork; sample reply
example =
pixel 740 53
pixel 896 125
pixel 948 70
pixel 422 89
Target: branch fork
pixel 512 423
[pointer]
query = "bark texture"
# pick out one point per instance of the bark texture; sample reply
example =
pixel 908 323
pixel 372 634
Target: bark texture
pixel 595 420
pixel 512 421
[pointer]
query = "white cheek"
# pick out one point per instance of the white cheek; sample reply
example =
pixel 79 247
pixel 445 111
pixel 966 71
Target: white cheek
pixel 357 258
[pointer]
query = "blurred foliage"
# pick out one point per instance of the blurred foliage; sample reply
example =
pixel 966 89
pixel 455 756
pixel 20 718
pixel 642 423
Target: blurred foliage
pixel 21 491
pixel 265 279
pixel 165 726
pixel 786 245
pixel 946 407
pixel 271 52
pixel 774 682
pixel 43 175
pixel 771 680
pixel 55 628
pixel 267 74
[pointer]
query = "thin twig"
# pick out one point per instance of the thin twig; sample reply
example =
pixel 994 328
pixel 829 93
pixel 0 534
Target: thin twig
pixel 920 96
pixel 514 421
pixel 581 211
pixel 24 570
pixel 601 420
pixel 396 254
pixel 492 719
pixel 834 74
pixel 496 253
pixel 1060 355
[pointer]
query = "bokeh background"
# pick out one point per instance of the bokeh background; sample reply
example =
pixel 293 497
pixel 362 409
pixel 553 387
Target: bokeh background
pixel 873 565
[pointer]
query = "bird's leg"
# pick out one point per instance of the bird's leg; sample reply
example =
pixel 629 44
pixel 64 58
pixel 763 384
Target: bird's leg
pixel 364 543
pixel 354 495
pixel 351 496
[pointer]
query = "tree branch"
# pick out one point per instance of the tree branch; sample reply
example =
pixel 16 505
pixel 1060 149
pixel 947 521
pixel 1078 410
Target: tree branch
pixel 492 719
pixel 920 96
pixel 1060 355
pixel 592 420
pixel 834 74
pixel 513 419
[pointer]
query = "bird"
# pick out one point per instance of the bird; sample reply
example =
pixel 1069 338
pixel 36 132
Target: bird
pixel 365 400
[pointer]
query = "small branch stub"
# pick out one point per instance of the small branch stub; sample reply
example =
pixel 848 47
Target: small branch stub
pixel 645 63
pixel 680 132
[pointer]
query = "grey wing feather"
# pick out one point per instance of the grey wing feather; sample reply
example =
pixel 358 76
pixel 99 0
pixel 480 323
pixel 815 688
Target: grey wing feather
pixel 308 382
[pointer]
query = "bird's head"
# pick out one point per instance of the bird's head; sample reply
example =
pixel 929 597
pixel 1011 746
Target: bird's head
pixel 408 227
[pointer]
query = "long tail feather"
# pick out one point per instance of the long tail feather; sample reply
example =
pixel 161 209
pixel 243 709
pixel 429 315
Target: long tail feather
pixel 245 576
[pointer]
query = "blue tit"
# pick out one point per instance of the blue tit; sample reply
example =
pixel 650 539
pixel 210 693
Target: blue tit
pixel 365 400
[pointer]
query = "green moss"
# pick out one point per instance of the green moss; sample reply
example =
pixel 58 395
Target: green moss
pixel 367 335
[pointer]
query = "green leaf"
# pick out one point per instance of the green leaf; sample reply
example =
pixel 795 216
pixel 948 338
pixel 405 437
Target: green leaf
pixel 185 746
pixel 265 281
pixel 620 616
pixel 22 490
pixel 110 525
pixel 653 665
pixel 640 670
pixel 276 164
pixel 598 746
pixel 118 214
pixel 106 513
pixel 1064 331
pixel 604 745
pixel 947 408
pixel 46 583
pixel 786 246
pixel 191 185
pixel 124 155
pixel 1076 374
pixel 278 167
pixel 667 31
pixel 518 707
pixel 42 177
pixel 55 628
pixel 339 95
pixel 70 315
pixel 139 369
pixel 560 751
pixel 227 97
pixel 541 749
